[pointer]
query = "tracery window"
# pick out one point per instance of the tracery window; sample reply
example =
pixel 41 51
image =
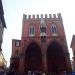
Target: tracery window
pixel 31 31
pixel 53 28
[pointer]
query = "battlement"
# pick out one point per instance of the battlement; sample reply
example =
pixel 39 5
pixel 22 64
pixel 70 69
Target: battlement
pixel 46 16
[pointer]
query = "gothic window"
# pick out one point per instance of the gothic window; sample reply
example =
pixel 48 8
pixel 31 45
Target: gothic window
pixel 31 31
pixel 53 28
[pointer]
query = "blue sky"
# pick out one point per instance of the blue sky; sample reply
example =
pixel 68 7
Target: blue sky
pixel 14 10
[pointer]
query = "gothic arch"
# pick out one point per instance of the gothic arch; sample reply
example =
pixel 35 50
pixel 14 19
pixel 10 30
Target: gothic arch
pixel 29 42
pixel 55 58
pixel 33 58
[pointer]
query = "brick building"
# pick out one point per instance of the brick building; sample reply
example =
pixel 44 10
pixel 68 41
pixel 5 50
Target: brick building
pixel 42 48
pixel 73 49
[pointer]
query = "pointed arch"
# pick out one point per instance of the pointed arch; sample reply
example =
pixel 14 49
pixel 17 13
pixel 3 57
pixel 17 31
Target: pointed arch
pixel 33 58
pixel 55 58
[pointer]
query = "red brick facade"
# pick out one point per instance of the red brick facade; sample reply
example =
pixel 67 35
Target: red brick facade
pixel 46 52
pixel 73 49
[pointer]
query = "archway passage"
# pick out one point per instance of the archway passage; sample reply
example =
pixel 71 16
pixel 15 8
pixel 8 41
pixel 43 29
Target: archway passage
pixel 55 58
pixel 33 58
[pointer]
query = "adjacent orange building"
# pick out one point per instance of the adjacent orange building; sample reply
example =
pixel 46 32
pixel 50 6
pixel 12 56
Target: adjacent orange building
pixel 42 48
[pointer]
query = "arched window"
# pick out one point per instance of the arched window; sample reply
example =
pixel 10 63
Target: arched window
pixel 53 28
pixel 31 31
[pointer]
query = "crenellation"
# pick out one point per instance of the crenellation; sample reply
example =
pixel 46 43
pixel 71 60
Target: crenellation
pixel 50 16
pixel 54 15
pixel 29 16
pixel 46 16
pixel 33 16
pixel 59 15
pixel 24 16
pixel 41 15
pixel 37 16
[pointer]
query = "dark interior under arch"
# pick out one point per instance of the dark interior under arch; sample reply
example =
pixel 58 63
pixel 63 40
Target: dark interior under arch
pixel 33 58
pixel 55 58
